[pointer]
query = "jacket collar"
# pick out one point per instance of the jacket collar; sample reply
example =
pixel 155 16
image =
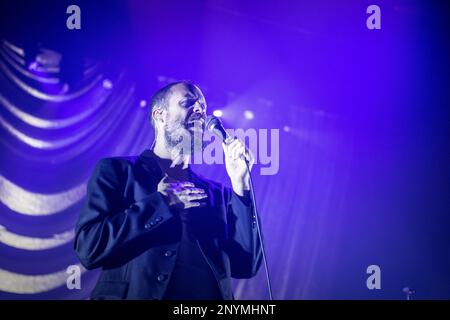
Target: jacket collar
pixel 149 162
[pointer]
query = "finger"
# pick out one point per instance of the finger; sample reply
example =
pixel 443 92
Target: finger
pixel 174 185
pixel 195 204
pixel 178 187
pixel 181 184
pixel 231 143
pixel 186 184
pixel 225 149
pixel 232 149
pixel 165 178
pixel 193 197
pixel 238 150
pixel 198 190
pixel 250 158
pixel 172 189
pixel 176 160
pixel 192 191
pixel 234 141
pixel 195 191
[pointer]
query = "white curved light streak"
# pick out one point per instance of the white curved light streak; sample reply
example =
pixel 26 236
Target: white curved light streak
pixel 14 48
pixel 37 143
pixel 60 143
pixel 38 204
pixel 124 149
pixel 47 70
pixel 135 137
pixel 29 284
pixel 21 62
pixel 51 145
pixel 91 70
pixel 10 49
pixel 14 56
pixel 34 243
pixel 101 133
pixel 106 130
pixel 44 96
pixel 122 104
pixel 53 124
pixel 26 73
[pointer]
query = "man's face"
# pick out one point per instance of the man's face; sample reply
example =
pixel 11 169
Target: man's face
pixel 185 117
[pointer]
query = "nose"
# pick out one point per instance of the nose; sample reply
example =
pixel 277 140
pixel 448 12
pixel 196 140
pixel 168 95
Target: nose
pixel 198 107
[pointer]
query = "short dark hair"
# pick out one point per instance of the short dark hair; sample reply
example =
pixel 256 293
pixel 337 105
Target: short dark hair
pixel 161 97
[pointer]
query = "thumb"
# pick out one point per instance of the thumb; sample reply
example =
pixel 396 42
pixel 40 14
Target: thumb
pixel 164 178
pixel 225 149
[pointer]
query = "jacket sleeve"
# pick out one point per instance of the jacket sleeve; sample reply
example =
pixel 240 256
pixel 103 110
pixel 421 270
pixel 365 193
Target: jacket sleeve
pixel 106 226
pixel 243 245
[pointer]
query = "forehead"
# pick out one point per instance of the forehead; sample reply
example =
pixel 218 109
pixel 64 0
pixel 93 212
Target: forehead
pixel 185 90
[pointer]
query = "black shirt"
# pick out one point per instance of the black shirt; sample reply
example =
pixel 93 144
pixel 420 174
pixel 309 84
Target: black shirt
pixel 192 277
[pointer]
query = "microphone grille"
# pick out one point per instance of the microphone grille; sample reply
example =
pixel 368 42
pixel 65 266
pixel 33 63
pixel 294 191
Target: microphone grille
pixel 211 122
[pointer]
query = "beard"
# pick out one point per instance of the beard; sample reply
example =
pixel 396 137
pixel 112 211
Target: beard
pixel 183 140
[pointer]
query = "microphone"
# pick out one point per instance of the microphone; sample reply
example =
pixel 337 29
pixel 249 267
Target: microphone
pixel 214 125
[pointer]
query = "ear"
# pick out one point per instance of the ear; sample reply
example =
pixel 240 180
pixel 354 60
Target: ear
pixel 156 115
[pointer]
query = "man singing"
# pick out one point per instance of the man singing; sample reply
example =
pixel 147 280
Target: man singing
pixel 157 229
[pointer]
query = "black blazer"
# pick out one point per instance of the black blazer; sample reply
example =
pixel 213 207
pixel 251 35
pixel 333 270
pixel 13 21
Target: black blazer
pixel 126 228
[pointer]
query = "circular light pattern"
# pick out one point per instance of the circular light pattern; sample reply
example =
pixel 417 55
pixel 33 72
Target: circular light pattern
pixel 218 113
pixel 33 66
pixel 107 84
pixel 249 115
pixel 143 103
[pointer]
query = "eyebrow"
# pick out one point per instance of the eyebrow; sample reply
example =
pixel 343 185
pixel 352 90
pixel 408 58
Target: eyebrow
pixel 193 94
pixel 190 95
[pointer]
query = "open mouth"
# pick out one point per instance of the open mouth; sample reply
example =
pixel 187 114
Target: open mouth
pixel 195 123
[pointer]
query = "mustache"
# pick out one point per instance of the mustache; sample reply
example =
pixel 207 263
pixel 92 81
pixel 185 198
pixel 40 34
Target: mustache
pixel 193 116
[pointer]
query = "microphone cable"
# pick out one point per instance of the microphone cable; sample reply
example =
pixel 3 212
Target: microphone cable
pixel 258 229
pixel 213 124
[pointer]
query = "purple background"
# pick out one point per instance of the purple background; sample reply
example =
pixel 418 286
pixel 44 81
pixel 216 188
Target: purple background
pixel 364 168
